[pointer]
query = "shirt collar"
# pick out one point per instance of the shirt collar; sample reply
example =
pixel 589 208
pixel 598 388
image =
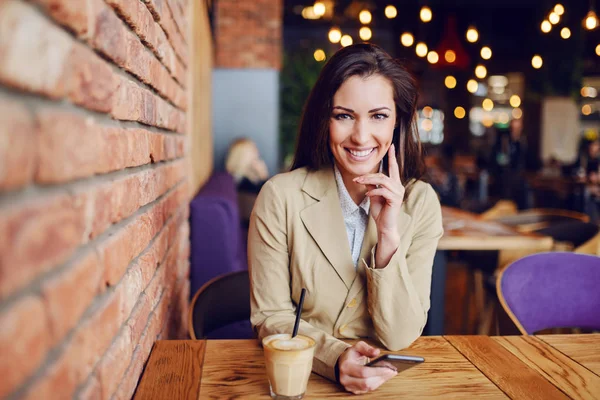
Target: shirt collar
pixel 349 207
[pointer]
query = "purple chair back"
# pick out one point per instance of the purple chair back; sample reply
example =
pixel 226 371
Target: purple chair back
pixel 217 245
pixel 552 290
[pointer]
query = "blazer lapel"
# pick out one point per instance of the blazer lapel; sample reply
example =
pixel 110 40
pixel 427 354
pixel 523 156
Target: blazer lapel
pixel 325 223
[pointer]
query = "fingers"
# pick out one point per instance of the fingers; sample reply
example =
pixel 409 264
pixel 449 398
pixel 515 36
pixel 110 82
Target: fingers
pixel 393 164
pixel 391 198
pixel 381 180
pixel 361 386
pixel 364 372
pixel 366 350
pixel 364 379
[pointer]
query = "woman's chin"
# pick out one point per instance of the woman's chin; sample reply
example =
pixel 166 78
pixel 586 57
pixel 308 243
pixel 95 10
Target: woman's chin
pixel 356 169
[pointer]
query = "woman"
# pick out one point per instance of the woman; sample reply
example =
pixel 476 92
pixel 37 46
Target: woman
pixel 359 240
pixel 243 162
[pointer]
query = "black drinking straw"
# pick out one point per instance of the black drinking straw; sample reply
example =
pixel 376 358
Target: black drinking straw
pixel 298 312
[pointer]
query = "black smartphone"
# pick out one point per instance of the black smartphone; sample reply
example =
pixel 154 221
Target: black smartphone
pixel 396 362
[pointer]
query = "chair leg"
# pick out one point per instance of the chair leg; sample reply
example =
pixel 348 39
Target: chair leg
pixel 480 295
pixel 467 301
pixel 488 318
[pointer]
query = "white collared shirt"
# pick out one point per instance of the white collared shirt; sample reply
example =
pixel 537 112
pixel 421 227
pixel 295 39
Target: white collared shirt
pixel 356 217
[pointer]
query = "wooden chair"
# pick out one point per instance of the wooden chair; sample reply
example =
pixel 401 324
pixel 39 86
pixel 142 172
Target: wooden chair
pixel 219 303
pixel 502 208
pixel 536 219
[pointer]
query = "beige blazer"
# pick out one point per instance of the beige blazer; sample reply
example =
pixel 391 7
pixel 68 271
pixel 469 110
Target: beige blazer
pixel 297 239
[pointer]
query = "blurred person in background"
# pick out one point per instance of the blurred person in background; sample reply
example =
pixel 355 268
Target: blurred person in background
pixel 509 164
pixel 586 172
pixel 444 180
pixel 244 163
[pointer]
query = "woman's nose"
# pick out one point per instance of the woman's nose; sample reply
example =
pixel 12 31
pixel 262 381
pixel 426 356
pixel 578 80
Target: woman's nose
pixel 361 133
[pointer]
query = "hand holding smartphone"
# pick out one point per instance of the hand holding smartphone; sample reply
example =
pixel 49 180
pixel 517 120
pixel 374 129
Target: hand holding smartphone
pixel 395 362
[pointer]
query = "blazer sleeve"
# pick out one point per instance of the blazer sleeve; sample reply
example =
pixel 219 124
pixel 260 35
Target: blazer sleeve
pixel 272 307
pixel 398 294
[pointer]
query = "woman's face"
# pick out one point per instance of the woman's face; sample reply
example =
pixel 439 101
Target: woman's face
pixel 362 123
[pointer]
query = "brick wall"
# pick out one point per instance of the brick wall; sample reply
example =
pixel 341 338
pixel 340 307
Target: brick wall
pixel 248 33
pixel 94 191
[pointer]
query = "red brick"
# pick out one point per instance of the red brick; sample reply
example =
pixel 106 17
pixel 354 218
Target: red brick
pixel 138 17
pixel 162 15
pixel 114 364
pixel 123 246
pixel 32 37
pixel 139 319
pixel 81 354
pixel 17 145
pixel 23 342
pixel 82 282
pixel 139 359
pixel 111 38
pixel 68 147
pixel 91 390
pixel 133 103
pixel 72 146
pixel 184 296
pixel 250 37
pixel 121 352
pixel 121 198
pixel 90 81
pixel 73 14
pixel 38 235
pixel 180 21
pixel 155 289
pixel 129 288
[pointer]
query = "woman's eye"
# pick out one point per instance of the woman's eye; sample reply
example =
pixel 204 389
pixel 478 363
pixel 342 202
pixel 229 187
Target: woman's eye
pixel 380 116
pixel 340 117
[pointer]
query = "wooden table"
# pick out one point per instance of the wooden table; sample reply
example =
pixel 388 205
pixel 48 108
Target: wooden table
pixel 458 367
pixel 464 230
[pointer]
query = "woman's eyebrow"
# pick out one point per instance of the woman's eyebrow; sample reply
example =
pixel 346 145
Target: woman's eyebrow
pixel 370 111
pixel 344 108
pixel 379 109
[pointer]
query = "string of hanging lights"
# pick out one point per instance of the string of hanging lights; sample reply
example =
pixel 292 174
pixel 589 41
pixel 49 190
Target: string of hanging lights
pixel 448 56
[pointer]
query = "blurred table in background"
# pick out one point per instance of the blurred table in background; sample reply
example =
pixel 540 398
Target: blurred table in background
pixel 467 231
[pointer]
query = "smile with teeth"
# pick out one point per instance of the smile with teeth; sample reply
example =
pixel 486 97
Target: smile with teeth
pixel 362 153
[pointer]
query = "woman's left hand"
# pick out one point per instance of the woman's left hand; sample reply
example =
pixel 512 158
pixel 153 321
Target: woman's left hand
pixel 386 194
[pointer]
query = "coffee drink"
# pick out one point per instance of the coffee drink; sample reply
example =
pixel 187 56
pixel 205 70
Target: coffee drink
pixel 289 363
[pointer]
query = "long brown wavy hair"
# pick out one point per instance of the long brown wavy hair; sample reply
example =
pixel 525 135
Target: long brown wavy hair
pixel 364 60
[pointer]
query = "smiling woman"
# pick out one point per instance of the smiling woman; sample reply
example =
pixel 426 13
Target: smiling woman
pixel 342 223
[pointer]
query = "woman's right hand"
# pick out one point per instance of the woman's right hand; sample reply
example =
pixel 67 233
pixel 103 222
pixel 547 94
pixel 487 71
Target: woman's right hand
pixel 354 376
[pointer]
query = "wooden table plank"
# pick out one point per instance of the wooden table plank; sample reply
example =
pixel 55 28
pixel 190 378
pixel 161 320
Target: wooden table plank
pixel 174 370
pixel 566 374
pixel 585 349
pixel 446 373
pixel 503 368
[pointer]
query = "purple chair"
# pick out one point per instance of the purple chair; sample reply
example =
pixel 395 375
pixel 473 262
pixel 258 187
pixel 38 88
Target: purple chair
pixel 217 240
pixel 218 252
pixel 552 290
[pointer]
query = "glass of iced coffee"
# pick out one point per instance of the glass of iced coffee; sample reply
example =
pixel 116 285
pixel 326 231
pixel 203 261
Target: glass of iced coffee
pixel 289 363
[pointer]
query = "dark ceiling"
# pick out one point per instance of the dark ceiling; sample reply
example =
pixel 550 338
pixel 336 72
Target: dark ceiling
pixel 510 27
